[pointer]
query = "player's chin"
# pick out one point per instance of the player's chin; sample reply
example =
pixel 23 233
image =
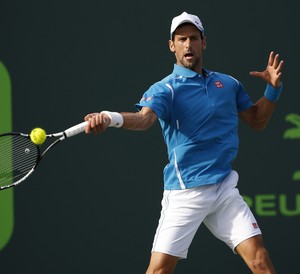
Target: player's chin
pixel 190 65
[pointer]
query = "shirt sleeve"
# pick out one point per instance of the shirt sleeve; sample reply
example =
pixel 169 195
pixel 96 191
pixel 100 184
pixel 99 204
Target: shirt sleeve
pixel 243 100
pixel 159 98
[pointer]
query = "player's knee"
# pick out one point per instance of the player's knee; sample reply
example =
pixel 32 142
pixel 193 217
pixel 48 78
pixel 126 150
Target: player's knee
pixel 161 264
pixel 159 270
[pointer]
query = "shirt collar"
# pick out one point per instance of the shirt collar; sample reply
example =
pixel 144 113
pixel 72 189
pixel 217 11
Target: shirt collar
pixel 187 73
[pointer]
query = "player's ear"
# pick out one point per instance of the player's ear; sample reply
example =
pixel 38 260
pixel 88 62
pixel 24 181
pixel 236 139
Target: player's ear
pixel 171 46
pixel 204 42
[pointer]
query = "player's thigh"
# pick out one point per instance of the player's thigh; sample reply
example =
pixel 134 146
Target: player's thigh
pixel 232 221
pixel 182 213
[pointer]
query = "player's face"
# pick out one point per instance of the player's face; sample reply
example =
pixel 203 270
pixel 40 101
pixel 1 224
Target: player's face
pixel 187 47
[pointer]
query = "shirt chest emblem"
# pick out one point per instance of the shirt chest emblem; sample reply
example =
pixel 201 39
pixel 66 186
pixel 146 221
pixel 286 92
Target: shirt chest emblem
pixel 219 84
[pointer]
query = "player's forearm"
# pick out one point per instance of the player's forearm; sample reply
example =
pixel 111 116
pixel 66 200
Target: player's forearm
pixel 265 106
pixel 100 121
pixel 263 112
pixel 138 121
pixel 258 116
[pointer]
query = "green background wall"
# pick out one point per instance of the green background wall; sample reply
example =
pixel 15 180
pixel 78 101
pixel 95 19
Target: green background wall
pixel 93 205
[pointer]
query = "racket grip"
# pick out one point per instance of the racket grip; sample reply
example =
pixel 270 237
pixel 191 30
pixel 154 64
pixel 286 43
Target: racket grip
pixel 74 130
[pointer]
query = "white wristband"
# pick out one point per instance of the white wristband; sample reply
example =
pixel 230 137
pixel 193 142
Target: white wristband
pixel 116 119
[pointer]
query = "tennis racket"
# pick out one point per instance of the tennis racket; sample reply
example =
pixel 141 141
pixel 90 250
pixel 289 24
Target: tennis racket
pixel 19 156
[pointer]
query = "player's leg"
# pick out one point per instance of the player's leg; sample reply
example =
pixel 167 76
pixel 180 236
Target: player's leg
pixel 255 255
pixel 234 223
pixel 161 263
pixel 182 213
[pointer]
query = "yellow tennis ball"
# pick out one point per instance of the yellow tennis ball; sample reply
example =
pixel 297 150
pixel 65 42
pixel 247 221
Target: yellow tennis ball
pixel 38 136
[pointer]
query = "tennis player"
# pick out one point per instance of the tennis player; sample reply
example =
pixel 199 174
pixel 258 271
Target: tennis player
pixel 198 110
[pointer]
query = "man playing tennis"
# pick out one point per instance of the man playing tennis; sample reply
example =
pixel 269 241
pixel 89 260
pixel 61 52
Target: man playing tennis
pixel 198 111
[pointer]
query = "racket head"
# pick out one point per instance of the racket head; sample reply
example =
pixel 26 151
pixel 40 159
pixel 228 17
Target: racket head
pixel 18 158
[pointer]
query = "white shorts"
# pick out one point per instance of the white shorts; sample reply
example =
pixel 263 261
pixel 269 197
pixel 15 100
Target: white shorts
pixel 219 206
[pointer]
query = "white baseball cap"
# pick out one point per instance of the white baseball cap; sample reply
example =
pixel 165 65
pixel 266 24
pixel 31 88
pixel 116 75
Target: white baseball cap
pixel 186 18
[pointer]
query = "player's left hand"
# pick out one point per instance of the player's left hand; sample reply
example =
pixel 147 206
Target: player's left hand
pixel 272 73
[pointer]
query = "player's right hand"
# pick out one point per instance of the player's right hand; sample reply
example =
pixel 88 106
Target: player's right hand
pixel 98 122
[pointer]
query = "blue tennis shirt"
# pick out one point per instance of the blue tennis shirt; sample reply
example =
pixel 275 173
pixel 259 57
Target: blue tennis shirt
pixel 199 120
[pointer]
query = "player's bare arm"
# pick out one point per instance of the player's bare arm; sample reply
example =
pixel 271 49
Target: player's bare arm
pixel 142 120
pixel 261 112
pixel 258 116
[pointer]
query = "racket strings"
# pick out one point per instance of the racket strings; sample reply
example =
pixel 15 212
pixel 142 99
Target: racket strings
pixel 18 155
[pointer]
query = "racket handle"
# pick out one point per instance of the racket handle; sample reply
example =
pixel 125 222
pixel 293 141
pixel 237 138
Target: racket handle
pixel 74 130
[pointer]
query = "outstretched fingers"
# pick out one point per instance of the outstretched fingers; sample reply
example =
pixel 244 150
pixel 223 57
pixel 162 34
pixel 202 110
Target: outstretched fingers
pixel 274 62
pixel 272 73
pixel 272 59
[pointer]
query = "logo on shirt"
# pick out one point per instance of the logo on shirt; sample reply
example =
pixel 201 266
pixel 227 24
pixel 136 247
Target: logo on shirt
pixel 219 84
pixel 255 225
pixel 147 99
